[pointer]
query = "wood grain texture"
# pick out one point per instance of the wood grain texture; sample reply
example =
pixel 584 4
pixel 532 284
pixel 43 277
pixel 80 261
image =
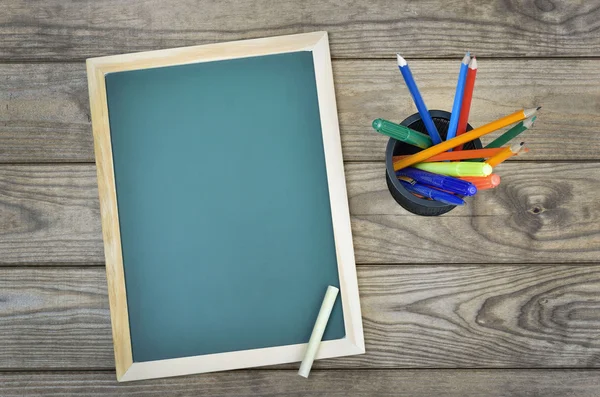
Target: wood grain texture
pixel 568 90
pixel 45 111
pixel 540 213
pixel 49 213
pixel 54 317
pixel 58 30
pixel 414 316
pixel 373 383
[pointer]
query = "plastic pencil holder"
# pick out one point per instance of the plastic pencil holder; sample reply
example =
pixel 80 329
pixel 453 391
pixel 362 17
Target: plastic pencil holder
pixel 406 199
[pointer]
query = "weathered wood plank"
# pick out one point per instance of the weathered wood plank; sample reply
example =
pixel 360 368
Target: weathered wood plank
pixel 414 316
pixel 568 90
pixel 45 110
pixel 50 213
pixel 44 113
pixel 54 318
pixel 541 213
pixel 58 30
pixel 400 383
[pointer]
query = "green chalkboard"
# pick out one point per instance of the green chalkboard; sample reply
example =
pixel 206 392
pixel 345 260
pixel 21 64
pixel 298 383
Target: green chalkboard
pixel 223 203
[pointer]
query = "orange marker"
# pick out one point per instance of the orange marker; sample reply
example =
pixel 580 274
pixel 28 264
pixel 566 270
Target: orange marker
pixel 506 152
pixel 462 155
pixel 483 182
pixel 464 138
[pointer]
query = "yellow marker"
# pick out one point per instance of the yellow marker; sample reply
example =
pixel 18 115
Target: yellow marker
pixel 464 138
pixel 456 168
pixel 507 152
pixel 318 330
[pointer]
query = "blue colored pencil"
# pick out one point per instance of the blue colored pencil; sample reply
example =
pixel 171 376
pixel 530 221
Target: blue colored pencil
pixel 458 97
pixel 416 95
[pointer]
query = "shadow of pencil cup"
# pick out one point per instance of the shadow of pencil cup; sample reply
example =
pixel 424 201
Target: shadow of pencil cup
pixel 410 202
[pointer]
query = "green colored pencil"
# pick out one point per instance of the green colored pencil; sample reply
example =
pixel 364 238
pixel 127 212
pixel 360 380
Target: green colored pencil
pixel 402 133
pixel 512 133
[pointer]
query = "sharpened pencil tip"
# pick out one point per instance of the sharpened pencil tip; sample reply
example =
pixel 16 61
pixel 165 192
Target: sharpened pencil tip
pixel 467 58
pixel 529 122
pixel 516 148
pixel 401 61
pixel 473 63
pixel 530 112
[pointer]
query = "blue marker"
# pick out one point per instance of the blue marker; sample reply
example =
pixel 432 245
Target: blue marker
pixel 414 92
pixel 449 183
pixel 458 97
pixel 432 193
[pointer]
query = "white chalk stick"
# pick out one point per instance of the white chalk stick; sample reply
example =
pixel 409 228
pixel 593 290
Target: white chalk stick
pixel 318 330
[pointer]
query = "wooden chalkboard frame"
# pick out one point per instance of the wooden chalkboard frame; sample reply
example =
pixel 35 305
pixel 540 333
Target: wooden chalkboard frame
pixel 97 68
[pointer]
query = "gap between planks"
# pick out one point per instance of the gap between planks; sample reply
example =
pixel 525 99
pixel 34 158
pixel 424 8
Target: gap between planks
pixel 366 59
pixel 90 265
pixel 520 161
pixel 279 369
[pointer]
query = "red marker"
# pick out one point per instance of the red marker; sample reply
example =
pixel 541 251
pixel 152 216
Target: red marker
pixel 467 97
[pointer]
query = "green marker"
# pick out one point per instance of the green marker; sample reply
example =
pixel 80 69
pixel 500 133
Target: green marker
pixel 456 168
pixel 510 134
pixel 402 133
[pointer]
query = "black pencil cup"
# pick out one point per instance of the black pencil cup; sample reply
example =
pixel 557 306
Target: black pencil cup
pixel 406 199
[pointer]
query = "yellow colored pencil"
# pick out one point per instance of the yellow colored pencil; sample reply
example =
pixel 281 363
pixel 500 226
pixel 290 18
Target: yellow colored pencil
pixel 507 152
pixel 464 138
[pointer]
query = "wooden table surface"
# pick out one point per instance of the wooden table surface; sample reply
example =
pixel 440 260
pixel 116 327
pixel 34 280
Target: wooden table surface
pixel 499 298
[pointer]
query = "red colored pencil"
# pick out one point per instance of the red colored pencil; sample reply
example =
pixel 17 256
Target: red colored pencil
pixel 467 97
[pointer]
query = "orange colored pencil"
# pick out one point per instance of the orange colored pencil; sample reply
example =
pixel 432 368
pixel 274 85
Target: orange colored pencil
pixel 464 138
pixel 506 152
pixel 462 155
pixel 467 97
pixel 483 182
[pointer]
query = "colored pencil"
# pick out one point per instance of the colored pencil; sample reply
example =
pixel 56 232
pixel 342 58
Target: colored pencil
pixel 467 98
pixel 483 182
pixel 466 137
pixel 458 97
pixel 508 151
pixel 511 134
pixel 462 155
pixel 523 150
pixel 418 99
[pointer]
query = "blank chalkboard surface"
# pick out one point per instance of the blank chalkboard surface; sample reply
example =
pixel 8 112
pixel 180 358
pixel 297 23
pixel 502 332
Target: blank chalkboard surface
pixel 223 205
pixel 224 213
